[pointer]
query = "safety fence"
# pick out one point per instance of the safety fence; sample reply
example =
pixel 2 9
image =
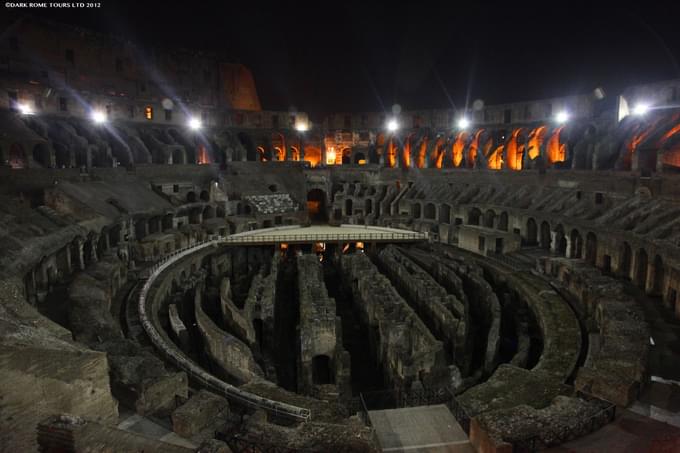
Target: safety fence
pixel 276 409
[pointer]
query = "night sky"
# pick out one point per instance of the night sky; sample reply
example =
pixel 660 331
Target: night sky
pixel 342 56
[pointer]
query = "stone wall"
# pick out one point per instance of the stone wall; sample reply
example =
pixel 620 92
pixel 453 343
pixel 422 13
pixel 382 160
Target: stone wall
pixel 403 345
pixel 320 333
pixel 615 368
pixel 233 357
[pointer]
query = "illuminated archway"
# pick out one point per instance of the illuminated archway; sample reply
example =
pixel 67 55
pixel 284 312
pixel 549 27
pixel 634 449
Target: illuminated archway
pixel 313 155
pixel 535 141
pixel 556 151
pixel 422 153
pixel 391 154
pixel 438 152
pixel 473 149
pixel 458 147
pixel 514 152
pixel 17 156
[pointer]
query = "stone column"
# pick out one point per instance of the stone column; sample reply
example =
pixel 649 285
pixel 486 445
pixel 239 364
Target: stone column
pixel 569 251
pixel 81 258
pixel 553 241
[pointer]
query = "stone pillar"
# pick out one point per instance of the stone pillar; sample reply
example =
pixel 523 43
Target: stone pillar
pixel 553 241
pixel 323 150
pixel 569 251
pixel 93 248
pixel 81 258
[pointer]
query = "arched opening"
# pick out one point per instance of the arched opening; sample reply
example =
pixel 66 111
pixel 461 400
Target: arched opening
pixel 178 156
pixel 346 156
pixel 545 235
pixel 457 148
pixel 369 206
pixel 208 213
pixel 489 218
pixel 247 143
pixel 195 215
pixel 473 216
pixel 445 214
pixel 576 244
pixel 560 241
pixel 503 221
pixel 659 276
pixel 348 206
pixel 415 210
pixel 514 153
pixel 641 268
pixel 41 155
pixel 313 155
pixel 591 248
pixel 532 232
pixel 168 222
pixel 205 196
pixel 17 157
pixel 360 159
pixel 61 156
pixel 321 370
pixel 316 206
pixel 430 211
pixel 624 260
pixel 191 197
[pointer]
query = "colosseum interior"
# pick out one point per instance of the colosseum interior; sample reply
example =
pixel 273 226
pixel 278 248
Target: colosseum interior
pixel 199 274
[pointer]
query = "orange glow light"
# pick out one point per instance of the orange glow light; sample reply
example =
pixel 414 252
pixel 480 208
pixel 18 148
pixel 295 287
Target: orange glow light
pixel 457 149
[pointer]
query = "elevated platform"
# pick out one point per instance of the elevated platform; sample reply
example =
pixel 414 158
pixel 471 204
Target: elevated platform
pixel 431 429
pixel 323 233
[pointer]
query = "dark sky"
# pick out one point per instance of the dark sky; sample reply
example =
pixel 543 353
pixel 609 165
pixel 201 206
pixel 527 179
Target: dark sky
pixel 344 56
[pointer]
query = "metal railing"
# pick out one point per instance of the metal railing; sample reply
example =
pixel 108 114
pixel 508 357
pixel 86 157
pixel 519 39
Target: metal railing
pixel 278 409
pixel 326 237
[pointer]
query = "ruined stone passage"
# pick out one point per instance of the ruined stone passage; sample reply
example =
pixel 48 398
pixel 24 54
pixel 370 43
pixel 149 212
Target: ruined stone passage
pixel 323 364
pixel 403 344
pixel 443 313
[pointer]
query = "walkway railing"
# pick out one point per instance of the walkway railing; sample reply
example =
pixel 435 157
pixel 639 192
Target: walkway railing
pixel 327 237
pixel 276 408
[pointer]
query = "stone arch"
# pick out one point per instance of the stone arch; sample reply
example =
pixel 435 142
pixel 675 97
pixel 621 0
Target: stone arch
pixel 178 156
pixel 489 218
pixel 316 205
pixel 560 241
pixel 248 144
pixel 445 214
pixel 348 206
pixel 416 210
pixel 658 275
pixel 576 244
pixel 591 248
pixel 532 231
pixel 17 156
pixel 503 221
pixel 208 212
pixel 625 259
pixel 168 221
pixel 430 211
pixel 474 215
pixel 62 156
pixel 641 264
pixel 321 370
pixel 42 155
pixel 205 195
pixel 545 235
